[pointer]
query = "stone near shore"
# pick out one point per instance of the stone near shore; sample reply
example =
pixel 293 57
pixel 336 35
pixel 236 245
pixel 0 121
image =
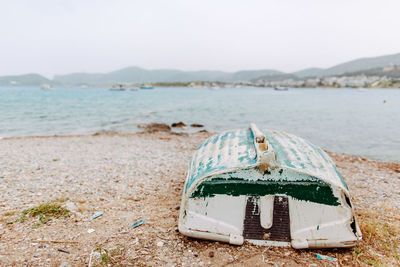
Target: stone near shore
pixel 178 125
pixel 154 127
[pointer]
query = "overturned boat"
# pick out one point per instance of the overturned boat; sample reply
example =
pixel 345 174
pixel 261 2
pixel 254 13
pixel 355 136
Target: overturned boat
pixel 269 188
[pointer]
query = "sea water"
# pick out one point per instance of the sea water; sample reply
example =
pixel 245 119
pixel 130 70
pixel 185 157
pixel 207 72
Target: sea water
pixel 362 122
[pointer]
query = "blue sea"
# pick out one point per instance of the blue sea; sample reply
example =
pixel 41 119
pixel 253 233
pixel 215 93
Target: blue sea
pixel 363 122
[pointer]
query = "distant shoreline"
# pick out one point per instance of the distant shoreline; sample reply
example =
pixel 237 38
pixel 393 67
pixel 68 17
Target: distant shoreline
pixel 162 133
pixel 208 85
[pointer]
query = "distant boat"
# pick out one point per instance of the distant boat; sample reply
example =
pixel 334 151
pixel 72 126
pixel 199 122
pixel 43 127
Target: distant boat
pixel 134 89
pixel 118 87
pixel 281 88
pixel 46 86
pixel 215 88
pixel 146 87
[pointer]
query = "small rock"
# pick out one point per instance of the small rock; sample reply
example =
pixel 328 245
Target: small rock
pixel 211 254
pixel 71 206
pixel 177 207
pixel 155 127
pixel 178 124
pixel 96 254
pixel 196 125
pixel 160 244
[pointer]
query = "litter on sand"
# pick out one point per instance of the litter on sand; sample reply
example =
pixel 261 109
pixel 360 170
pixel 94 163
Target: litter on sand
pixel 115 236
pixel 91 230
pixel 96 215
pixel 324 257
pixel 138 223
pixel 63 250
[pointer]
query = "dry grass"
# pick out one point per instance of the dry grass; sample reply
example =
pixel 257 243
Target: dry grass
pixel 381 237
pixel 61 199
pixel 113 256
pixel 10 213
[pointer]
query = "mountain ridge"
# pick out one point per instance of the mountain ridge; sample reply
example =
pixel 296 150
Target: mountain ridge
pixel 24 79
pixel 140 75
pixel 135 74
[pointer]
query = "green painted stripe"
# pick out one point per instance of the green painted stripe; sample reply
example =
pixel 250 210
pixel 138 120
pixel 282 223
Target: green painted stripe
pixel 318 192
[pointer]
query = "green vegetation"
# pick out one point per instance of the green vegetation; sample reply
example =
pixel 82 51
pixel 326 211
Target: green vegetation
pixel 113 256
pixel 10 213
pixel 45 212
pixel 104 258
pixel 26 79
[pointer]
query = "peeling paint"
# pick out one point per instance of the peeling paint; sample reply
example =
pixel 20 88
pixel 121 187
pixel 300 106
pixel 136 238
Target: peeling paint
pixel 230 168
pixel 318 192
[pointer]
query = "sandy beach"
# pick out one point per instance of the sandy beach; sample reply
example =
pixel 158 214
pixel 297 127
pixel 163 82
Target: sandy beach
pixel 137 176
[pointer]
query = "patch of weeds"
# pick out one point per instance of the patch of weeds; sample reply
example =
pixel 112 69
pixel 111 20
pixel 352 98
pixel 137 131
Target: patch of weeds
pixel 357 251
pixel 45 212
pixel 21 219
pixel 104 258
pixel 111 256
pixel 371 262
pixel 6 219
pixel 381 237
pixel 10 213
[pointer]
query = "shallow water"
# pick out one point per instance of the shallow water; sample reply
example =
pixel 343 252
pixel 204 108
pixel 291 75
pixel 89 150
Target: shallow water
pixel 348 121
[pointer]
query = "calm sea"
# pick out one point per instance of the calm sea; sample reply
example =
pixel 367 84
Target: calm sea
pixel 351 121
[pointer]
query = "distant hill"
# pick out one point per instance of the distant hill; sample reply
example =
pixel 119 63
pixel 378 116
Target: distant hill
pixel 310 72
pixel 363 64
pixel 368 66
pixel 247 75
pixel 274 78
pixel 139 75
pixel 356 65
pixel 26 79
pixel 391 71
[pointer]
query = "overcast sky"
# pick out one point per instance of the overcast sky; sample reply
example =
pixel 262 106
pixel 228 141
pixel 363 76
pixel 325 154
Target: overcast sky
pixel 58 37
